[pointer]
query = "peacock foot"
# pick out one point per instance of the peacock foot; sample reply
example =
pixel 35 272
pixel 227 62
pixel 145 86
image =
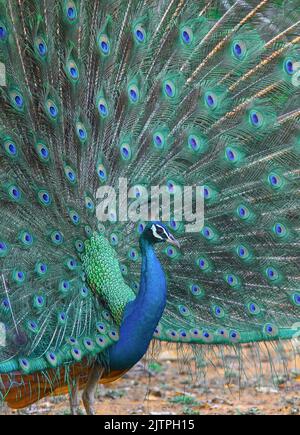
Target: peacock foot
pixel 74 398
pixel 88 402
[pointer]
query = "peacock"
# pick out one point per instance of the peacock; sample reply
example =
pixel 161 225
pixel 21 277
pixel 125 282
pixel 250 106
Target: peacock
pixel 168 93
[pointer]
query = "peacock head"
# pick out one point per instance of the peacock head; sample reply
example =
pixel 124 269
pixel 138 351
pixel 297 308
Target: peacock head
pixel 156 232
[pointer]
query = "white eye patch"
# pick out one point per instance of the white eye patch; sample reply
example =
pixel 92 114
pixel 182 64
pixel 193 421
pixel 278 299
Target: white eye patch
pixel 155 233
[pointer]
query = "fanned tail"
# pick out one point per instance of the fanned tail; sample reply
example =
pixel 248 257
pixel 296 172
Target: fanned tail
pixel 172 93
pixel 223 112
pixel 50 315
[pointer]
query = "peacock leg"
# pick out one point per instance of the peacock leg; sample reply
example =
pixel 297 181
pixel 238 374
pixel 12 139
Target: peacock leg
pixel 74 397
pixel 88 395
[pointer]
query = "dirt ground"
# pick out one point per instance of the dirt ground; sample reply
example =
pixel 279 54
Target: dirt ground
pixel 160 386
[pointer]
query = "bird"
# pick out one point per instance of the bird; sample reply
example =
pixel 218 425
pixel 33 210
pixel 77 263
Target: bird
pixel 188 104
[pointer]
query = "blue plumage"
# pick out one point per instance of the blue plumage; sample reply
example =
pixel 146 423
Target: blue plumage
pixel 141 316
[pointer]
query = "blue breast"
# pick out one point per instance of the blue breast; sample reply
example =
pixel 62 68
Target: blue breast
pixel 141 316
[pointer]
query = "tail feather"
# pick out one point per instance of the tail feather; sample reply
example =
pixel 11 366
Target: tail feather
pixel 248 166
pixel 177 93
pixel 20 391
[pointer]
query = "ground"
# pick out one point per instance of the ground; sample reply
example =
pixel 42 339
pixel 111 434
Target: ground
pixel 159 386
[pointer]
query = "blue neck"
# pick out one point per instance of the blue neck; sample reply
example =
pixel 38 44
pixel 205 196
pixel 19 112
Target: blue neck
pixel 141 316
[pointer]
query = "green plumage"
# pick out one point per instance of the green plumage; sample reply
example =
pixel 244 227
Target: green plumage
pixel 162 93
pixel 104 276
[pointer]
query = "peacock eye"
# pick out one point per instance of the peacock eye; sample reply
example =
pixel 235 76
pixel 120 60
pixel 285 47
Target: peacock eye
pixel 159 230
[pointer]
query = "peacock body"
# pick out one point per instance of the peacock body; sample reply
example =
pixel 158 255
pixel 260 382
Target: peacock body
pixel 162 93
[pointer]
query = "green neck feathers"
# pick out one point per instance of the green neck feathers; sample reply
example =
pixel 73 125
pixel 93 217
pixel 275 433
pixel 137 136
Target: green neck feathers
pixel 104 276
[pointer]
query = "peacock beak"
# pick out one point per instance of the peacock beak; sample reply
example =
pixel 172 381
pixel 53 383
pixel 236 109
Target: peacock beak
pixel 173 241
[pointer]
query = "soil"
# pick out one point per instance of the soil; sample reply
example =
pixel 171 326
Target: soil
pixel 162 387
